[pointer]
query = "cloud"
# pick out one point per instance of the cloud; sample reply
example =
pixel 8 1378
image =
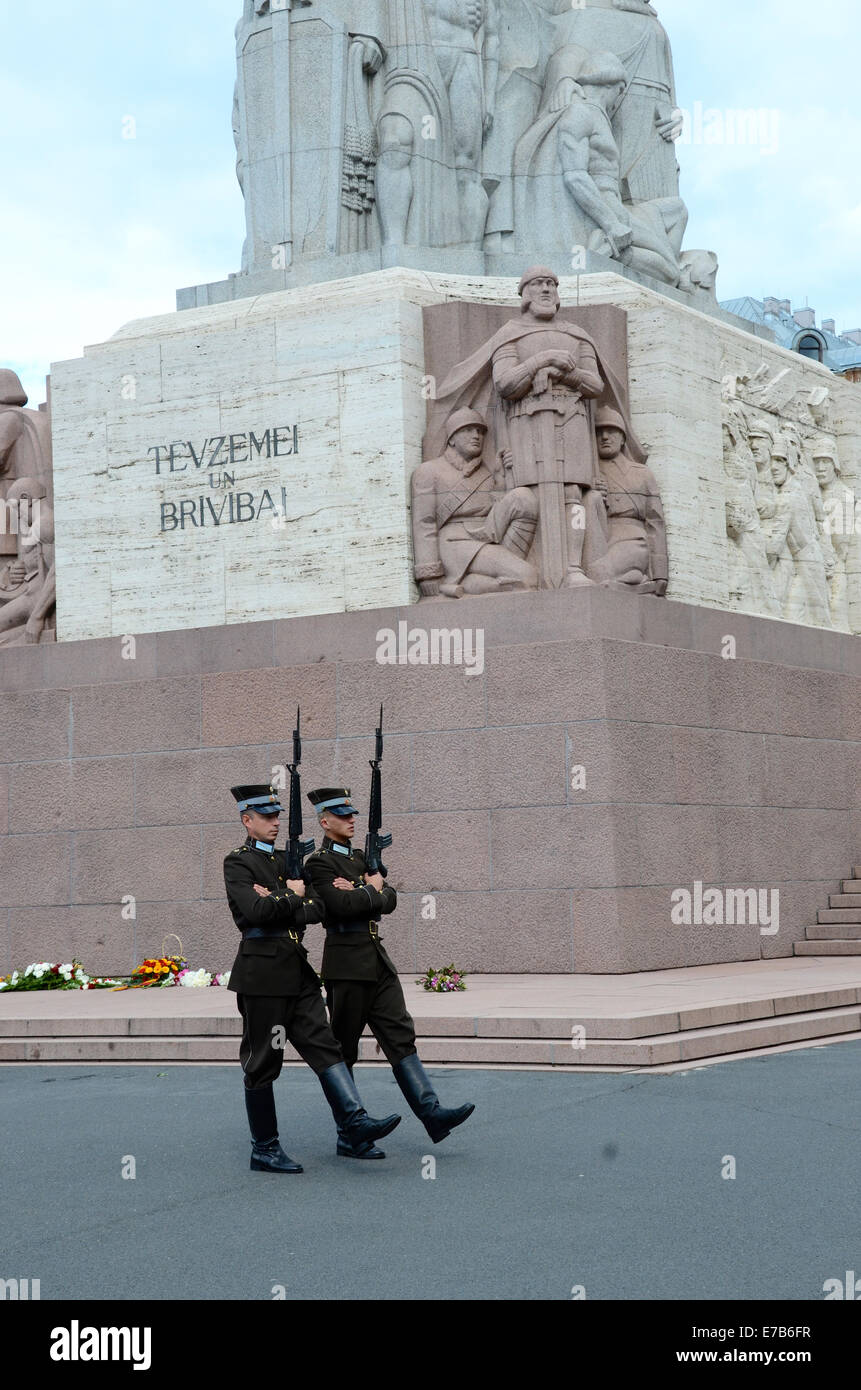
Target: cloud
pixel 783 223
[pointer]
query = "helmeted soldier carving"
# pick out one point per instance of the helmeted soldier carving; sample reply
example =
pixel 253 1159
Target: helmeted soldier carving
pixel 628 545
pixel 469 535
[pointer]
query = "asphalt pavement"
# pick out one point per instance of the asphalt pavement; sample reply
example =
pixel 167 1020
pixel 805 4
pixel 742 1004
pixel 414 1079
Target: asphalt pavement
pixel 609 1184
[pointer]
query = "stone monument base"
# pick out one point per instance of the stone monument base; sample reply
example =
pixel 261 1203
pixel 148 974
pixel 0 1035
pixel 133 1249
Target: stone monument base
pixel 443 261
pixel 583 761
pixel 252 459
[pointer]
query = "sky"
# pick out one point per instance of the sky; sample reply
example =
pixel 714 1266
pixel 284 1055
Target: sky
pixel 97 229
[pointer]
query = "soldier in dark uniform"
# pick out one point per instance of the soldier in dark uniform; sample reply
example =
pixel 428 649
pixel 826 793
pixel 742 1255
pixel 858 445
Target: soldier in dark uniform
pixel 362 985
pixel 277 989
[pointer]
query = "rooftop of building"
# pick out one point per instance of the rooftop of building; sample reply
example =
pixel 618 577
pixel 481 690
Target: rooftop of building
pixel 839 351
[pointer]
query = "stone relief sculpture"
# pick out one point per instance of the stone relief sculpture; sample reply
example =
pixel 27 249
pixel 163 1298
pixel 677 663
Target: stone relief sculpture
pixel 569 173
pixel 28 593
pixel 25 445
pixel 627 544
pixel 784 499
pixel 437 107
pixel 488 127
pixel 800 570
pixel 837 528
pixel 470 536
pixel 576 509
pixel 646 125
pixel 749 502
pixel 527 38
pixel 358 188
pixel 538 377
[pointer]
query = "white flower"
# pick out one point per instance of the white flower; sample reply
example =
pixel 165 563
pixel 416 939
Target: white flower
pixel 196 979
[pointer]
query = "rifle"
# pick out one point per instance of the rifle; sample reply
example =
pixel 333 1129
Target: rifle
pixel 375 843
pixel 297 848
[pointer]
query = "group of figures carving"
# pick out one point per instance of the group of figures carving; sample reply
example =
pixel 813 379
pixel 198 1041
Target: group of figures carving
pixel 509 126
pixel 27 578
pixel 791 508
pixel 534 477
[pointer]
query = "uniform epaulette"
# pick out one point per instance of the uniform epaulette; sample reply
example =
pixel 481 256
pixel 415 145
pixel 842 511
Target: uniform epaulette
pixel 241 850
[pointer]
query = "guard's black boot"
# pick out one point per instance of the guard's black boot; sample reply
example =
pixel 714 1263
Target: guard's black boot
pixel 424 1101
pixel 357 1126
pixel 347 1150
pixel 267 1155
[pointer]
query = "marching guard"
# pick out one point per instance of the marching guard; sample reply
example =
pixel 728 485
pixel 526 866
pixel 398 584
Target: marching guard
pixel 362 984
pixel 278 992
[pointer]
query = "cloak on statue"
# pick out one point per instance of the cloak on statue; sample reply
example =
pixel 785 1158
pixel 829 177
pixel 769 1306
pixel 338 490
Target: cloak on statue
pixel 469 386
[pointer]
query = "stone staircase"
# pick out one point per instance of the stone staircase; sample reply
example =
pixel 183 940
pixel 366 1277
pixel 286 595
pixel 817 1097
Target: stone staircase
pixel 838 926
pixel 667 1019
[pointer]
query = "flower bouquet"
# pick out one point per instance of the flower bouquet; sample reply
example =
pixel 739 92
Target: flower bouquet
pixel 163 970
pixel 443 981
pixel 46 975
pixel 160 970
pixel 201 979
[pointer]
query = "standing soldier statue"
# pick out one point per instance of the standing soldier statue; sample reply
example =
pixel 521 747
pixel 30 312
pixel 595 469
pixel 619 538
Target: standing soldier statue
pixel 278 993
pixel 539 378
pixel 361 982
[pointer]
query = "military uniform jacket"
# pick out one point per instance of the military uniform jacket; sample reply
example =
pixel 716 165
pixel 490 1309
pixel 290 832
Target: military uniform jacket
pixel 273 964
pixel 354 954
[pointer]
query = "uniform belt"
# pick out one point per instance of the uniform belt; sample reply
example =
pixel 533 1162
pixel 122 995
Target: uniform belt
pixel 257 932
pixel 373 928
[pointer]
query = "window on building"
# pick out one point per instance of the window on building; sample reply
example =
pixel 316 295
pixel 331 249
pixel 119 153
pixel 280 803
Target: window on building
pixel 811 346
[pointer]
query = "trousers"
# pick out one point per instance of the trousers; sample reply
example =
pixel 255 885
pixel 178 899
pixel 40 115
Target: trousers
pixel 299 1019
pixel 377 1004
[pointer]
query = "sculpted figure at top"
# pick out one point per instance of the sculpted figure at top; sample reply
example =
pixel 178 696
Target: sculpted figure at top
pixel 569 172
pixel 438 106
pixel 646 123
pixel 25 445
pixel 456 127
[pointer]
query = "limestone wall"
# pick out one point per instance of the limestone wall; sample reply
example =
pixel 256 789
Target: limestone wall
pixel 296 420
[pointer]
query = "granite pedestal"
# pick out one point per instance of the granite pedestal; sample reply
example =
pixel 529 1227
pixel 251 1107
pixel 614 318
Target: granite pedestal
pixel 544 807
